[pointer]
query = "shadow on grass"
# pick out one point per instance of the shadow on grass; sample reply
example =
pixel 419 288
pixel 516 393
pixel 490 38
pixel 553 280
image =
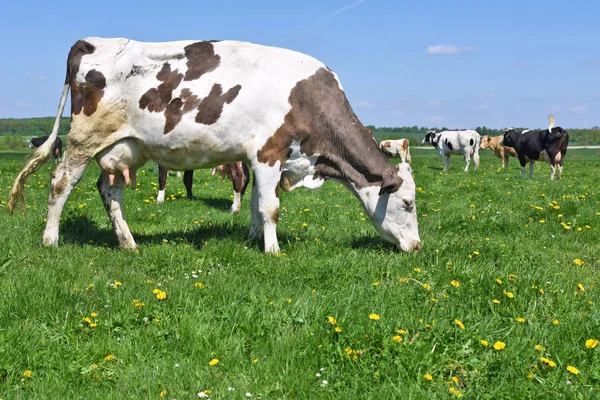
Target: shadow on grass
pixel 82 230
pixel 216 202
pixel 372 243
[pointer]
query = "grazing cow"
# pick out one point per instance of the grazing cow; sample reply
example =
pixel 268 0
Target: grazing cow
pixel 502 152
pixel 190 105
pixel 393 148
pixel 534 145
pixel 238 173
pixel 56 149
pixel 455 142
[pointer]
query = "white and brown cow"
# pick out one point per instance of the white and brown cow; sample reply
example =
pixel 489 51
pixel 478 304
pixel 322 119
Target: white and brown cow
pixel 190 105
pixel 502 152
pixel 238 173
pixel 394 148
pixel 447 143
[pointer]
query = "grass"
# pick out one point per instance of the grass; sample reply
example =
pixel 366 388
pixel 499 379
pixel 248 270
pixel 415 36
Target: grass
pixel 487 236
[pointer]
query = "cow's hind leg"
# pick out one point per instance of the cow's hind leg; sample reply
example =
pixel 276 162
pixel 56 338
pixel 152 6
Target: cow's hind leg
pixel 467 160
pixel 188 179
pixel 255 224
pixel 62 181
pixel 531 167
pixel 163 172
pixel 266 183
pixel 112 197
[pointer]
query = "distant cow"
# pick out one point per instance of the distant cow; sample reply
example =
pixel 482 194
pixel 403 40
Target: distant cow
pixel 56 149
pixel 549 144
pixel 502 152
pixel 393 148
pixel 455 142
pixel 198 104
pixel 238 173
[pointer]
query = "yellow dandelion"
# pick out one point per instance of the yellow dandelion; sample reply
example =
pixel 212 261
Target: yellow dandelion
pixel 510 295
pixel 591 343
pixel 580 288
pixel 92 325
pixel 213 362
pixel 499 346
pixel 428 377
pixel 199 285
pixel 110 357
pixel 476 252
pixel 255 361
pixel 376 283
pixel 338 329
pixel 117 284
pixel 499 281
pixel 434 300
pixel 577 261
pixel 401 332
pixel 555 322
pixel 374 317
pixel 288 300
pixel 161 295
pixel 548 362
pixel 397 338
pixel 417 270
pixel 512 277
pixel 163 394
pixel 87 320
pixel 455 283
pixel 542 291
pixel 459 323
pixel 539 347
pixel 520 319
pixel 332 320
pixel 572 370
pixel 426 286
pixel 484 343
pixel 27 373
pixel 156 291
pixel 496 301
pixel 94 314
pixel 403 280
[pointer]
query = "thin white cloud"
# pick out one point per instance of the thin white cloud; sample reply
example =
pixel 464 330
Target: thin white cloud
pixel 323 19
pixel 435 118
pixel 434 103
pixel 447 49
pixel 38 78
pixel 483 107
pixel 364 104
pixel 24 104
pixel 578 109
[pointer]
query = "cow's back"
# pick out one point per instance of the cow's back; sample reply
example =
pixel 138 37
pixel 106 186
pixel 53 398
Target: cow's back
pixel 207 102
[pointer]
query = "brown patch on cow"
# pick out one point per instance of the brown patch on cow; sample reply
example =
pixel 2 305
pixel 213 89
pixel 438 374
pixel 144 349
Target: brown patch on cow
pixel 86 95
pixel 201 59
pixel 211 107
pixel 157 99
pixel 173 114
pixel 190 100
pixel 322 120
pixel 275 215
pixel 405 145
pixel 387 145
pixel 60 186
pixel 78 50
pixel 277 191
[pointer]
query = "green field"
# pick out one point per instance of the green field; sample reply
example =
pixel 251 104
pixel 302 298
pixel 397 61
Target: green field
pixel 339 314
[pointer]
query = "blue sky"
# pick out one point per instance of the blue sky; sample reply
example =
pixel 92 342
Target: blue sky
pixel 459 64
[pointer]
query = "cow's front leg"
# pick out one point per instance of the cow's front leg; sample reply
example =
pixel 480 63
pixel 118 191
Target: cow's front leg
pixel 266 183
pixel 163 172
pixel 467 161
pixel 445 161
pixel 112 197
pixel 256 221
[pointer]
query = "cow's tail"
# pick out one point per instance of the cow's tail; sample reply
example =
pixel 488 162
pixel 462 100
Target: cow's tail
pixel 39 157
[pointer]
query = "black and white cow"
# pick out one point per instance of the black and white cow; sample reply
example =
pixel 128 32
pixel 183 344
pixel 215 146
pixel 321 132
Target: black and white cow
pixel 190 105
pixel 238 173
pixel 455 142
pixel 56 149
pixel 534 145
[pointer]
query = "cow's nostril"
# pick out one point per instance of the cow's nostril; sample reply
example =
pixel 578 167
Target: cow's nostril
pixel 417 246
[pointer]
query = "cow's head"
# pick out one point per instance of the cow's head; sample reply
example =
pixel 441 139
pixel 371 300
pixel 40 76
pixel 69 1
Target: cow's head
pixel 430 137
pixel 393 212
pixel 485 142
pixel 31 145
pixel 510 137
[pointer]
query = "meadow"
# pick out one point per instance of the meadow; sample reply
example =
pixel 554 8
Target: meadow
pixel 501 302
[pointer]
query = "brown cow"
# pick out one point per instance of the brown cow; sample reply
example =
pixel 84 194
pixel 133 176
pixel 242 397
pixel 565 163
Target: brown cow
pixel 502 152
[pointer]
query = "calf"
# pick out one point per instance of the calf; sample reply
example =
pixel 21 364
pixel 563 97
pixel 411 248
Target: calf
pixel 502 152
pixel 455 142
pixel 549 144
pixel 393 148
pixel 56 149
pixel 198 104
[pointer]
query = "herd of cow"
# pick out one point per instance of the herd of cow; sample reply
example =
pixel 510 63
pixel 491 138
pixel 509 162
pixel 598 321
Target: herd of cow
pixel 227 104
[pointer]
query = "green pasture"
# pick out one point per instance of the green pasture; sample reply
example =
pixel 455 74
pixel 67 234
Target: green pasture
pixel 501 302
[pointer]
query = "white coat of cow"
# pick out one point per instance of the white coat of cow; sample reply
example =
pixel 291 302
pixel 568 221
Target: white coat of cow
pixel 394 148
pixel 447 143
pixel 190 105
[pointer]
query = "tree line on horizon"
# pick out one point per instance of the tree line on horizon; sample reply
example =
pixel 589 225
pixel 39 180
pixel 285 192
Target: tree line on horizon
pixel 12 131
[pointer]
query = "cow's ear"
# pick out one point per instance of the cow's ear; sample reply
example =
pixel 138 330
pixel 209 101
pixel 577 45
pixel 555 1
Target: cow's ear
pixel 390 184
